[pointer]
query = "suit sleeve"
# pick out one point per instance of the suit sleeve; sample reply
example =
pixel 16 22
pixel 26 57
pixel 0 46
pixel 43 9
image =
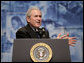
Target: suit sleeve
pixel 47 33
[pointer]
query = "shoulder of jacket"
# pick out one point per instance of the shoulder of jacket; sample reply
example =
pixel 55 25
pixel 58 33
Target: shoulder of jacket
pixel 22 29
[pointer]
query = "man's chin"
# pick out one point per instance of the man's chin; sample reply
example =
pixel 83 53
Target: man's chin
pixel 37 26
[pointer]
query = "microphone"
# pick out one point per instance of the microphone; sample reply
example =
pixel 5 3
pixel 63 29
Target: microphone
pixel 42 32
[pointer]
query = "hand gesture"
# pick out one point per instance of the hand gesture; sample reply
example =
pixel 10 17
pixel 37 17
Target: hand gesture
pixel 72 40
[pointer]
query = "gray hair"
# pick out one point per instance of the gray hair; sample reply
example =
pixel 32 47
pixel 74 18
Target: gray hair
pixel 28 14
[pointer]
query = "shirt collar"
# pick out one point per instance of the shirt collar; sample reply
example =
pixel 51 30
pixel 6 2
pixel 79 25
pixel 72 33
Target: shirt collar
pixel 33 28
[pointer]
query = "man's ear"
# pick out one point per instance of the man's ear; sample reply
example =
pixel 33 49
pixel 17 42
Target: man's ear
pixel 28 19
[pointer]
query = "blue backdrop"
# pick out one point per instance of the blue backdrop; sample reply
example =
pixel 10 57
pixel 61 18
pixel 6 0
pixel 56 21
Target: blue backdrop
pixel 57 17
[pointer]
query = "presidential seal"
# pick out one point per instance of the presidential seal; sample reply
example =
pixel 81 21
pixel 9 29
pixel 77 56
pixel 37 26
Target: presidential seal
pixel 41 52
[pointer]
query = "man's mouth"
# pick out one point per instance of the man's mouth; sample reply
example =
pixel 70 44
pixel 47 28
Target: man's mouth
pixel 38 22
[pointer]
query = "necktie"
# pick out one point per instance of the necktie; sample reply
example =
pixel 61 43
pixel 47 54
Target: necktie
pixel 37 32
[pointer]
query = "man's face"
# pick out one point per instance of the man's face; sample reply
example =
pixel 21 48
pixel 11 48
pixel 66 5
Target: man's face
pixel 35 18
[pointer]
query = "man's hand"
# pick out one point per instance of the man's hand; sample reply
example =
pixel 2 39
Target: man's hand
pixel 72 40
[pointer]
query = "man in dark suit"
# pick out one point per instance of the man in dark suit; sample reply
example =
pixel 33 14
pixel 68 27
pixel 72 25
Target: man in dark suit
pixel 32 30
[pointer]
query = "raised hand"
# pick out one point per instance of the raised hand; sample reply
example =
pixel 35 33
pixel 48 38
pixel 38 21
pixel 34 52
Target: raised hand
pixel 72 40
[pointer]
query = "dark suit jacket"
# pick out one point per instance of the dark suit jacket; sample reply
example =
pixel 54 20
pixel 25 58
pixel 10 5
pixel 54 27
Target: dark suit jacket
pixel 28 32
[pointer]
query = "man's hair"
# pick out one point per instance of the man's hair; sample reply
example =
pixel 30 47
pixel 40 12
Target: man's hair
pixel 28 14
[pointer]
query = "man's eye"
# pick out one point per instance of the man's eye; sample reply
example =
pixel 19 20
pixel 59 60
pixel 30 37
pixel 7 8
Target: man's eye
pixel 36 16
pixel 40 16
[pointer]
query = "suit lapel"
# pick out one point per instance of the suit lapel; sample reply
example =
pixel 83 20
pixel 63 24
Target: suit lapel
pixel 31 32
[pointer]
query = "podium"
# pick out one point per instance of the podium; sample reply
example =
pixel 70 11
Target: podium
pixel 22 49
